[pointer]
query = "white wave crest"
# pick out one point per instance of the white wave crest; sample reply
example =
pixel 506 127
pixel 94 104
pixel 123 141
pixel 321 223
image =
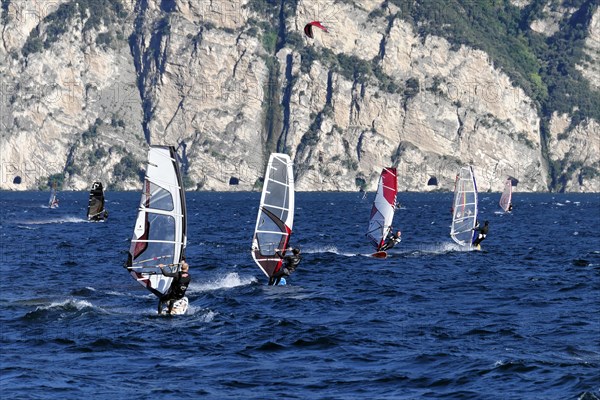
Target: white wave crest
pixel 327 249
pixel 62 220
pixel 77 304
pixel 229 281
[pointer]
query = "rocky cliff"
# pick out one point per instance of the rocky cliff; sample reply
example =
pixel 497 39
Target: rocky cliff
pixel 87 85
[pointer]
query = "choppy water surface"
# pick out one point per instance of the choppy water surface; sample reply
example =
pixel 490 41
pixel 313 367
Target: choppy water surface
pixel 517 320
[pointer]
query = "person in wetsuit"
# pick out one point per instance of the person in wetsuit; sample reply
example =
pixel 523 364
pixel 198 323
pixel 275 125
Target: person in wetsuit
pixel 391 240
pixel 483 231
pixel 289 265
pixel 181 281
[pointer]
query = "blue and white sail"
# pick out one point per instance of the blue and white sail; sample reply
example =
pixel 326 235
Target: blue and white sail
pixel 464 209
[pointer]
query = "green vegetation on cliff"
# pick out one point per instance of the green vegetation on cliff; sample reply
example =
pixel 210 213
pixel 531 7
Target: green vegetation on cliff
pixel 543 66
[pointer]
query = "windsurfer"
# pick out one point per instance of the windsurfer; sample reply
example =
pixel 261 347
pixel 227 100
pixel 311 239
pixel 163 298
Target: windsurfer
pixel 181 281
pixel 509 207
pixel 289 265
pixel 391 240
pixel 482 232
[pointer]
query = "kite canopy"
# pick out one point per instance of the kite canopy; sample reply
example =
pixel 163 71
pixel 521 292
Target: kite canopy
pixel 308 28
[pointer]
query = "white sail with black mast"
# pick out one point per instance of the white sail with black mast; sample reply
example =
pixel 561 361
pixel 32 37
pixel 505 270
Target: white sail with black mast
pixel 159 236
pixel 275 214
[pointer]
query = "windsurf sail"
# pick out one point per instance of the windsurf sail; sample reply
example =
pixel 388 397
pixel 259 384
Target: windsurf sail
pixel 464 209
pixel 382 212
pixel 506 197
pixel 53 200
pixel 275 214
pixel 159 236
pixel 96 211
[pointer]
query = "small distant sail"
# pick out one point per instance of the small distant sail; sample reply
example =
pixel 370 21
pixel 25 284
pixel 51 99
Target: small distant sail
pixel 53 200
pixel 96 210
pixel 382 212
pixel 275 214
pixel 159 236
pixel 464 210
pixel 506 198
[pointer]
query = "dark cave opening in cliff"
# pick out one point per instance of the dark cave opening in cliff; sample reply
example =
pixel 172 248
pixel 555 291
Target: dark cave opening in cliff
pixel 234 181
pixel 17 180
pixel 432 181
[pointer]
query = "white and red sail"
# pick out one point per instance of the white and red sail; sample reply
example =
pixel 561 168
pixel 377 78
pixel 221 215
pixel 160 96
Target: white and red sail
pixel 382 212
pixel 275 214
pixel 159 236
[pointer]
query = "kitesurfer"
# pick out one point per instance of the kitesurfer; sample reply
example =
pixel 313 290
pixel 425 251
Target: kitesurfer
pixel 289 265
pixel 181 281
pixel 391 240
pixel 482 232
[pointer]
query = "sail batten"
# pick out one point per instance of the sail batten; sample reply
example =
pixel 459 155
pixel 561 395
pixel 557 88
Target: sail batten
pixel 275 214
pixel 464 208
pixel 382 211
pixel 160 231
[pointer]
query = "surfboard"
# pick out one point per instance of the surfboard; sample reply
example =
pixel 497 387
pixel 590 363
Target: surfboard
pixel 159 235
pixel 180 306
pixel 382 211
pixel 275 215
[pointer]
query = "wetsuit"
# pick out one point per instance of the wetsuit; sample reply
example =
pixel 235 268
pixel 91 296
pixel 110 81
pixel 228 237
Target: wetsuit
pixel 391 241
pixel 289 265
pixel 481 235
pixel 181 281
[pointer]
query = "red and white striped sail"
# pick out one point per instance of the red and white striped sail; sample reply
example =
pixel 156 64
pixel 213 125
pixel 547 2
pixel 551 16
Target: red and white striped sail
pixel 159 236
pixel 506 197
pixel 382 212
pixel 275 214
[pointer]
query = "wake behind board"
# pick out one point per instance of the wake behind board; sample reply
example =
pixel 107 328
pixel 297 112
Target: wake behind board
pixel 180 307
pixel 379 254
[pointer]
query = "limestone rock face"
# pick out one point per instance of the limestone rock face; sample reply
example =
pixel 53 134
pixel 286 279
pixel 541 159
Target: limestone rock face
pixel 591 68
pixel 462 111
pixel 520 3
pixel 71 108
pixel 550 23
pixel 576 153
pixel 85 93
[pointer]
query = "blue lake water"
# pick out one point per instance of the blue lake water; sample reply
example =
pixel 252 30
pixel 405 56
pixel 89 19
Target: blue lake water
pixel 520 319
